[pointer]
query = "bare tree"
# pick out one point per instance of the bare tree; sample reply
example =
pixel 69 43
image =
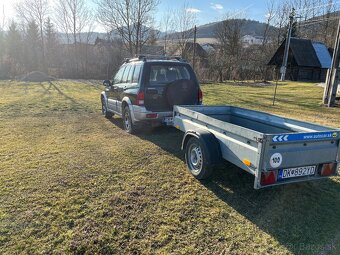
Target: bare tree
pixel 228 55
pixel 3 18
pixel 267 48
pixel 74 17
pixel 167 25
pixel 2 42
pixel 37 11
pixel 184 20
pixel 315 19
pixel 131 19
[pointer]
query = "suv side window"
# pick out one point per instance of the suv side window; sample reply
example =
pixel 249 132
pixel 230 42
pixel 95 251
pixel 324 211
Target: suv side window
pixel 136 74
pixel 131 74
pixel 118 77
pixel 126 74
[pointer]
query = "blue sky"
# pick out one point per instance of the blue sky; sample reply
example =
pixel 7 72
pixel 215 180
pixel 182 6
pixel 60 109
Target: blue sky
pixel 210 11
pixel 206 11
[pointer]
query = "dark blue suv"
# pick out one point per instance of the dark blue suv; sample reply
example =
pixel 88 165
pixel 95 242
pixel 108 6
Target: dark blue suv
pixel 144 91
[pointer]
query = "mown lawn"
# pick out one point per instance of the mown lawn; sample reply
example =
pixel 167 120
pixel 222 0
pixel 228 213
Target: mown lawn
pixel 72 182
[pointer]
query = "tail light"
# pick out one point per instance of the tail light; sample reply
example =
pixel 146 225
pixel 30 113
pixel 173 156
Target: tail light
pixel 268 178
pixel 200 96
pixel 140 98
pixel 151 115
pixel 327 169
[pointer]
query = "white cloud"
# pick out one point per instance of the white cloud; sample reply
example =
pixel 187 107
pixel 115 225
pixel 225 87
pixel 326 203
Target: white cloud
pixel 217 7
pixel 193 10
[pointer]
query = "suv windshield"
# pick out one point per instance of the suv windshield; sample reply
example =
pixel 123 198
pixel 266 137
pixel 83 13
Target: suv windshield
pixel 162 74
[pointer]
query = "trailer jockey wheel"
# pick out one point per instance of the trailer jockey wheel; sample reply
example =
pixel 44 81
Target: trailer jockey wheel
pixel 196 159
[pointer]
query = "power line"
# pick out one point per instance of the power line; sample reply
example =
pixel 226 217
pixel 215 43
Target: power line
pixel 318 21
pixel 315 7
pixel 240 11
pixel 324 19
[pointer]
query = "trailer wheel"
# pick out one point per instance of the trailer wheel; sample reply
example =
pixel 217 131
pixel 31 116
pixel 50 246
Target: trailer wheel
pixel 196 158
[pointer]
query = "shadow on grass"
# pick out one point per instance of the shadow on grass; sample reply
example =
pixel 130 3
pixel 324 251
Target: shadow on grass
pixel 302 217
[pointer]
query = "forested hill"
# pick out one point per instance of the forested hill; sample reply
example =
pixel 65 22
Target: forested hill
pixel 249 27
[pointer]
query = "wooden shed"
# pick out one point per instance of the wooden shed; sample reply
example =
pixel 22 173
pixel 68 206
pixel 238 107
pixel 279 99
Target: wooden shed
pixel 307 60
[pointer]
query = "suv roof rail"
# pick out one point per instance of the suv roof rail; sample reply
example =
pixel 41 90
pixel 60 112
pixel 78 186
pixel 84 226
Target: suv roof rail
pixel 145 58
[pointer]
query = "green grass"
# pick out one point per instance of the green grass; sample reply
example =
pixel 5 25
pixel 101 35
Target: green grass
pixel 73 182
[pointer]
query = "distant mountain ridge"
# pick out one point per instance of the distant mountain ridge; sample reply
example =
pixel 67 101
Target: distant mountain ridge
pixel 250 27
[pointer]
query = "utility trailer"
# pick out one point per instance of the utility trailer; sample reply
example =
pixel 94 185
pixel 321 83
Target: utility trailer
pixel 276 150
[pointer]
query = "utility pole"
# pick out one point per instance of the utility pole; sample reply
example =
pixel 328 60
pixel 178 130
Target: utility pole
pixel 283 69
pixel 332 78
pixel 194 55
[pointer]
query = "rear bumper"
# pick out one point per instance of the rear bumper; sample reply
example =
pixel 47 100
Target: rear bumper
pixel 314 177
pixel 140 114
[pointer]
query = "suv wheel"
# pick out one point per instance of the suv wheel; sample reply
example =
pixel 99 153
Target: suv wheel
pixel 105 112
pixel 127 121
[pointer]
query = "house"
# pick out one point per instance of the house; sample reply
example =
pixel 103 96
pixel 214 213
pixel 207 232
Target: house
pixel 188 50
pixel 153 50
pixel 307 60
pixel 249 40
pixel 209 47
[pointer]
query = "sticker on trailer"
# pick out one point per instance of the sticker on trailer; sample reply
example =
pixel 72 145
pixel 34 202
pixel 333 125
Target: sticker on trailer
pixel 276 160
pixel 305 136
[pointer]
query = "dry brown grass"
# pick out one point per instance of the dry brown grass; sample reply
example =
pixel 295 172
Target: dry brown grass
pixel 73 182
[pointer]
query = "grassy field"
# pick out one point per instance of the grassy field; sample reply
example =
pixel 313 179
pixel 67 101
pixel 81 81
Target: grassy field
pixel 74 182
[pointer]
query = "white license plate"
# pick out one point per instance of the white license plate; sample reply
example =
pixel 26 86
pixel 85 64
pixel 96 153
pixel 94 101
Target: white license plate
pixel 296 172
pixel 168 121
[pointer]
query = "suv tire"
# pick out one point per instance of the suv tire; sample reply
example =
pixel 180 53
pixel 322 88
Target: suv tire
pixel 127 121
pixel 105 112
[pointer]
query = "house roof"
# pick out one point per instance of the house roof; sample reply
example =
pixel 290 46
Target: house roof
pixel 153 50
pixel 323 55
pixel 189 48
pixel 305 52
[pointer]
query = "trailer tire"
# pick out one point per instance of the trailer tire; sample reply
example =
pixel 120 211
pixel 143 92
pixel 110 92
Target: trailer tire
pixel 196 158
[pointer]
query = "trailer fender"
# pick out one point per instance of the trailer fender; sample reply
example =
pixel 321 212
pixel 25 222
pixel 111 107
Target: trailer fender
pixel 209 141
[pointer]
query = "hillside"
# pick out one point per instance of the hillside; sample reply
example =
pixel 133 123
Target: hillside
pixel 250 27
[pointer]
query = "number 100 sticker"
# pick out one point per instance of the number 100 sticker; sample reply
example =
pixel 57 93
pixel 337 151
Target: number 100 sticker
pixel 276 160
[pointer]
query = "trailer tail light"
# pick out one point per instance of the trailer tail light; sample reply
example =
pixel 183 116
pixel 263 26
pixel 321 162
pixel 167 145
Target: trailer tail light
pixel 200 96
pixel 268 178
pixel 327 169
pixel 140 98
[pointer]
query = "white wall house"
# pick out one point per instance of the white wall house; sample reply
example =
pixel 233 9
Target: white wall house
pixel 248 40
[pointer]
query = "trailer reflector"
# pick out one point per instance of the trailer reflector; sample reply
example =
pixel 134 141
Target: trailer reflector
pixel 247 162
pixel 268 178
pixel 328 169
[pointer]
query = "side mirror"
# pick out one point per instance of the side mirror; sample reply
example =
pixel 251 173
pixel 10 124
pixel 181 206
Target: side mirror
pixel 107 83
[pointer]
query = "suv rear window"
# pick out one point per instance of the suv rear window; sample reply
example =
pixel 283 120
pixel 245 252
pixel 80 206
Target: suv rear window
pixel 161 74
